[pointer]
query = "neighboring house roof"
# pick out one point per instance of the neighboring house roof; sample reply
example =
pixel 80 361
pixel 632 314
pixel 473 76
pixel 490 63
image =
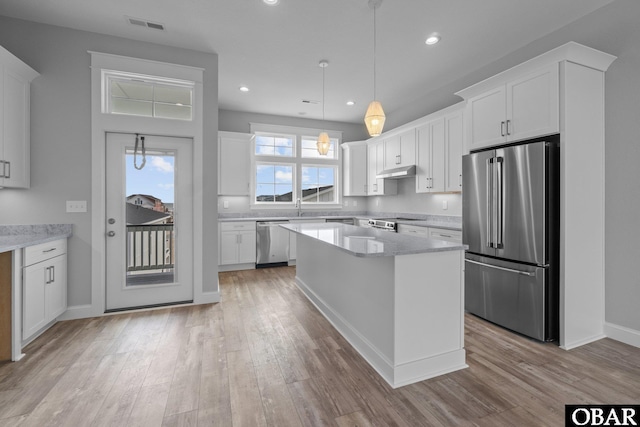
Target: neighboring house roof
pixel 137 215
pixel 147 196
pixel 306 194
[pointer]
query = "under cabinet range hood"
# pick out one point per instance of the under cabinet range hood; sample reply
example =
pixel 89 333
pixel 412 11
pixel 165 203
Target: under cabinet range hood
pixel 397 173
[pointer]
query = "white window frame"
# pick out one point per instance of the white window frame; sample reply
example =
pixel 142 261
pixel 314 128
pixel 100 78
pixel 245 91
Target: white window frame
pixel 297 161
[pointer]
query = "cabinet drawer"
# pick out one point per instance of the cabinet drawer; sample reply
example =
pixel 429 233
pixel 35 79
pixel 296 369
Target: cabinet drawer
pixel 414 230
pixel 37 253
pixel 238 226
pixel 446 234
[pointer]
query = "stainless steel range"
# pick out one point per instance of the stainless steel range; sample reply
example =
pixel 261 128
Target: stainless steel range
pixel 388 224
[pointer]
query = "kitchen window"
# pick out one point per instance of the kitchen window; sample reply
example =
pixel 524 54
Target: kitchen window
pixel 287 168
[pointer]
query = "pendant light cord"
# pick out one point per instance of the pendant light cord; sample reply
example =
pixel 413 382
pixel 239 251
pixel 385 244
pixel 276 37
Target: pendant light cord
pixel 143 152
pixel 374 52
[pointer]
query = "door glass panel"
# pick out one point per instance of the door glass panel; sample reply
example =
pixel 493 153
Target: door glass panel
pixel 150 194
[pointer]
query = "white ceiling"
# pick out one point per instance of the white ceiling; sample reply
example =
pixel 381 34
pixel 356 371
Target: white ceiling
pixel 275 50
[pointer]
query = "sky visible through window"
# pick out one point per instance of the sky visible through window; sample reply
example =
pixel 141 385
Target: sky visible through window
pixel 155 179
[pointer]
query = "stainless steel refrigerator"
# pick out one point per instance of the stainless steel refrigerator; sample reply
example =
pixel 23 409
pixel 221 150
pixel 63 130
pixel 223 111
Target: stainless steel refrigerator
pixel 511 225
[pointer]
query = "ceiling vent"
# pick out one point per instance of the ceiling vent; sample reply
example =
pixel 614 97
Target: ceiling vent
pixel 310 101
pixel 143 23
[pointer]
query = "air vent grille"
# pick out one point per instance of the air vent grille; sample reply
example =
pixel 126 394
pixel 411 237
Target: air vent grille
pixel 144 23
pixel 310 101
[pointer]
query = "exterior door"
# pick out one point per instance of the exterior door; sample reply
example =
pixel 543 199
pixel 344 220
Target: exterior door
pixel 149 227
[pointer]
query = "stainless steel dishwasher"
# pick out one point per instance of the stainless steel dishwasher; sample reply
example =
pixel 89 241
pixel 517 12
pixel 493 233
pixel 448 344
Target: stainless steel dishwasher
pixel 272 244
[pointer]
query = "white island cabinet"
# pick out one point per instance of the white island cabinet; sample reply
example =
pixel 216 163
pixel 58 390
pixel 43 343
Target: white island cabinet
pixel 397 299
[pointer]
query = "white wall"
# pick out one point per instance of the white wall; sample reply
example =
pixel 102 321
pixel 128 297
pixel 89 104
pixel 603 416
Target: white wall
pixel 61 135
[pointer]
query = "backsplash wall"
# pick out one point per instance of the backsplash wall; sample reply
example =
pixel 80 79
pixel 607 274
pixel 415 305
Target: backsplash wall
pixel 407 200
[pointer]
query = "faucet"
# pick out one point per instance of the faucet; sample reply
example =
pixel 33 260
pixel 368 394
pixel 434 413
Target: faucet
pixel 299 206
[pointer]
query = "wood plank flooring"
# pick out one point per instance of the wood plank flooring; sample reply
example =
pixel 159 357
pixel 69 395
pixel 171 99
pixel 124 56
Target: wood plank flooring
pixel 265 357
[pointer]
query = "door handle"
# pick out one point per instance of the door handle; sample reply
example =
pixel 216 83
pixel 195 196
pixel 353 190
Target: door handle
pixel 111 233
pixel 500 204
pixel 489 201
pixel 510 270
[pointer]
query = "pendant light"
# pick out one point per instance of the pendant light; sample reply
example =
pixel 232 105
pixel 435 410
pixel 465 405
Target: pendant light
pixel 323 139
pixel 374 118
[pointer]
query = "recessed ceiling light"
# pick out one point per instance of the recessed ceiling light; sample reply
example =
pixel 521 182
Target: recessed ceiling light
pixel 351 103
pixel 432 39
pixel 243 89
pixel 271 2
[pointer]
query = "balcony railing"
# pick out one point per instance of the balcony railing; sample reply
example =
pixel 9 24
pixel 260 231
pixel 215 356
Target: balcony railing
pixel 150 247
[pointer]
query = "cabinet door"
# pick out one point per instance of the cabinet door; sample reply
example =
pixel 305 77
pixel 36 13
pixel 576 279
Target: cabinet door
pixel 56 290
pixel 354 170
pixel 229 247
pixel 372 170
pixel 453 155
pixel 33 298
pixel 408 148
pixel 391 152
pixel 234 165
pixel 246 246
pixel 533 104
pixel 423 160
pixel 487 118
pixel 437 135
pixel 15 131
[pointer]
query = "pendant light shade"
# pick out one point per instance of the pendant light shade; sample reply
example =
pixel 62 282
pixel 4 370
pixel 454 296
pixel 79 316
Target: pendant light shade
pixel 323 139
pixel 323 143
pixel 374 118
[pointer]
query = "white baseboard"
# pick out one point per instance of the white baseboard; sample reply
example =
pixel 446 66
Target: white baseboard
pixel 208 298
pixel 78 312
pixel 395 375
pixel 622 334
pixel 576 344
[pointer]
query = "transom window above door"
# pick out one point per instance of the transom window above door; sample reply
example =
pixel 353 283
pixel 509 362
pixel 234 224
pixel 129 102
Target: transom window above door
pixel 147 96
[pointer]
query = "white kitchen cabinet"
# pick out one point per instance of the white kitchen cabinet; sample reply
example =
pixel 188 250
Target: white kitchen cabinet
pixel 449 235
pixel 237 242
pixel 439 153
pixel 44 286
pixel 354 168
pixel 15 89
pixel 375 160
pixel 522 108
pixel 234 168
pixel 400 149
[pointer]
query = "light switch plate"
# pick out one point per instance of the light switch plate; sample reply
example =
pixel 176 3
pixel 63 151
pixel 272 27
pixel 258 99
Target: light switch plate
pixel 225 204
pixel 76 205
pixel 445 205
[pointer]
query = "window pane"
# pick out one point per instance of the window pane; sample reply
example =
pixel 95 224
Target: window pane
pixel 274 183
pixel 278 145
pixel 170 111
pixel 310 149
pixel 318 184
pixel 173 94
pixel 133 107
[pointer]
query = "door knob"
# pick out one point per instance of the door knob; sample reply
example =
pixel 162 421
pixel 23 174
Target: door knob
pixel 111 233
pixel 111 221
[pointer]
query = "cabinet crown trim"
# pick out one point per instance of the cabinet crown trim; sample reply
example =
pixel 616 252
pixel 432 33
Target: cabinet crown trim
pixel 571 51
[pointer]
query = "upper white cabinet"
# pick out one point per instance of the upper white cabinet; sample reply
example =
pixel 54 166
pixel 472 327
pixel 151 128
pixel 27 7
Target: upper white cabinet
pixel 354 168
pixel 234 169
pixel 375 159
pixel 439 153
pixel 15 82
pixel 525 107
pixel 400 150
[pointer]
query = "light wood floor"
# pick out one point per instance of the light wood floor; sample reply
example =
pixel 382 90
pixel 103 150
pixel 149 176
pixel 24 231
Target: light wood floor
pixel 265 357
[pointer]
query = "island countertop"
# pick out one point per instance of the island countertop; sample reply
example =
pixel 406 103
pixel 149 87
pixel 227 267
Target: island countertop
pixel 370 242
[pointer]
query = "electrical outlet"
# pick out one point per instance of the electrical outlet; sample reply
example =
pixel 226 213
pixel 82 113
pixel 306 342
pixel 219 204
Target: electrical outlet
pixel 76 205
pixel 355 203
pixel 225 204
pixel 445 205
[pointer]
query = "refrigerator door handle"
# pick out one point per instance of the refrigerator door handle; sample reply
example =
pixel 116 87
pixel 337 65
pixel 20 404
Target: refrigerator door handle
pixel 499 244
pixel 510 270
pixel 489 204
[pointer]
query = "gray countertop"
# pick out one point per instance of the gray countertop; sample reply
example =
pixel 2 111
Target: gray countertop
pixel 434 222
pixel 369 242
pixel 14 237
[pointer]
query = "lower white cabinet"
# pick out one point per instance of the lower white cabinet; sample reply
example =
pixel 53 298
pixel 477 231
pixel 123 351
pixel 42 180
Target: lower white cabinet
pixel 237 243
pixel 44 286
pixel 446 234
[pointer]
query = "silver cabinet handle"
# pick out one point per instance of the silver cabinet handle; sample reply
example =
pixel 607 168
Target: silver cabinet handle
pixel 53 273
pixel 508 123
pixel 460 180
pixel 502 128
pixel 47 276
pixel 49 250
pixel 7 168
pixel 2 162
pixel 510 270
pixel 398 159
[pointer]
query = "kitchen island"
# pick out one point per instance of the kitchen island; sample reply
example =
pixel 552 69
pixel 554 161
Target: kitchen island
pixel 397 299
